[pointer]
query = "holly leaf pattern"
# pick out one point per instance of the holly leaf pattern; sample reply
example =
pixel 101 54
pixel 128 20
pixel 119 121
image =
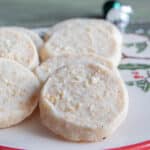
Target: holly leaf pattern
pixel 144 85
pixel 141 46
pixel 139 71
pixel 128 45
pixel 130 83
pixel 130 66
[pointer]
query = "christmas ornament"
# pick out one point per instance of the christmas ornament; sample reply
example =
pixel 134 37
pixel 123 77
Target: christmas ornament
pixel 117 13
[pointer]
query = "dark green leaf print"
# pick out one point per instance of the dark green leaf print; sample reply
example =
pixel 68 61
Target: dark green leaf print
pixel 133 66
pixel 143 84
pixel 128 45
pixel 130 83
pixel 141 46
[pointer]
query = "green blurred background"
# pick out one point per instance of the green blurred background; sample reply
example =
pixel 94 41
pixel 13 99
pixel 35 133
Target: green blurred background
pixel 40 13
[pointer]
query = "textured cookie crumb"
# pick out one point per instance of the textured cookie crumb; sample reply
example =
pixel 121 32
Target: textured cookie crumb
pixel 88 108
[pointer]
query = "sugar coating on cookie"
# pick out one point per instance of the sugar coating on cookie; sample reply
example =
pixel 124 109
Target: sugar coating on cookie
pixel 18 92
pixel 83 102
pixel 19 47
pixel 33 35
pixel 83 36
pixel 45 69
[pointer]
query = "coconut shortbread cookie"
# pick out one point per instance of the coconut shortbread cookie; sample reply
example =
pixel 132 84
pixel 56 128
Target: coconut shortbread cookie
pixel 33 35
pixel 83 102
pixel 82 36
pixel 18 46
pixel 50 65
pixel 18 92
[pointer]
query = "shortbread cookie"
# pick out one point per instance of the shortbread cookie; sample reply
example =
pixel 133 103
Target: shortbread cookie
pixel 50 65
pixel 82 36
pixel 18 92
pixel 33 35
pixel 18 46
pixel 83 102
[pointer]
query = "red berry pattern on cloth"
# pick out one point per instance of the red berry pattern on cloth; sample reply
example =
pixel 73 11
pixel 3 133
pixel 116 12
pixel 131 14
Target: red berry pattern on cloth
pixel 136 61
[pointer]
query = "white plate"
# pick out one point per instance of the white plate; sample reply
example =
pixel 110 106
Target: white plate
pixel 136 128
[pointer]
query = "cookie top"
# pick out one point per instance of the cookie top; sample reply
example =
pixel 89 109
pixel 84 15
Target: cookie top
pixel 33 35
pixel 87 98
pixel 19 47
pixel 18 92
pixel 52 64
pixel 83 36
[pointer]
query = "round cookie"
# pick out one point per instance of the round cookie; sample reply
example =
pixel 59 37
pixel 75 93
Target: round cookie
pixel 33 35
pixel 83 102
pixel 44 70
pixel 19 47
pixel 18 92
pixel 82 36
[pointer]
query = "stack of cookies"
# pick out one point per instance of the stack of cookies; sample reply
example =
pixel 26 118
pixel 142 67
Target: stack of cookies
pixel 82 96
pixel 19 86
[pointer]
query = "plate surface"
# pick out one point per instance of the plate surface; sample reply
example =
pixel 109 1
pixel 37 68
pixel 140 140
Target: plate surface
pixel 135 70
